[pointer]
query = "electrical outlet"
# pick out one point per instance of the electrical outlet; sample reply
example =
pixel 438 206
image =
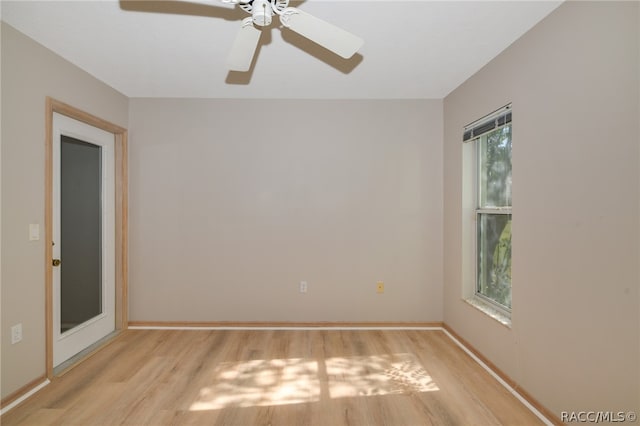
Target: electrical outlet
pixel 380 287
pixel 303 286
pixel 16 333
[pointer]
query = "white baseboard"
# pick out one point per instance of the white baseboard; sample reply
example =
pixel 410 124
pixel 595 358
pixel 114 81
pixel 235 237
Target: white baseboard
pixel 24 396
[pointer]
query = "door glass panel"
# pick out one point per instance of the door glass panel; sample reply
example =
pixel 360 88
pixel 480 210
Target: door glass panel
pixel 80 232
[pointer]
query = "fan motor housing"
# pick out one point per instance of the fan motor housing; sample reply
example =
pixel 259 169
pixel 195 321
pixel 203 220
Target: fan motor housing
pixel 262 10
pixel 262 13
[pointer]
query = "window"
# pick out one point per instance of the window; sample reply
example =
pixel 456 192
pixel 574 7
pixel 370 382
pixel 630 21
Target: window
pixel 492 183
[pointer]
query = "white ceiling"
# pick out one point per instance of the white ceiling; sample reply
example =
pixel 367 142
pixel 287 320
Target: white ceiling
pixel 413 49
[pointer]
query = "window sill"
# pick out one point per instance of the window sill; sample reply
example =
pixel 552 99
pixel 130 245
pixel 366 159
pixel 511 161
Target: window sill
pixel 490 311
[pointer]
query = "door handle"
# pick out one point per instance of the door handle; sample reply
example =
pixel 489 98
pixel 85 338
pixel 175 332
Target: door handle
pixel 56 262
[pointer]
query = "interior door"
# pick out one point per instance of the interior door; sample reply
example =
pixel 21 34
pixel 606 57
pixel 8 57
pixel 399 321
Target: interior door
pixel 83 236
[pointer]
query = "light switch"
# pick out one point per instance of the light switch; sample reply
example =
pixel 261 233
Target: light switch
pixel 34 232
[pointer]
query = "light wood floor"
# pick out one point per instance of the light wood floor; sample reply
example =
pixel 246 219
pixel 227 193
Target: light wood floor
pixel 326 378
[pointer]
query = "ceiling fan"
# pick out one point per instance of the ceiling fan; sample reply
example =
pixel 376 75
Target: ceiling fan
pixel 327 35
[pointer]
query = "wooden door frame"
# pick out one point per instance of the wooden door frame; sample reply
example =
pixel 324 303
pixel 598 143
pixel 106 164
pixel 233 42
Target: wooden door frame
pixel 121 221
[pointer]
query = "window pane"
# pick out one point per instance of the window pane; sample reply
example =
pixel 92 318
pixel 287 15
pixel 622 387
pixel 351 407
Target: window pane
pixel 494 257
pixel 495 168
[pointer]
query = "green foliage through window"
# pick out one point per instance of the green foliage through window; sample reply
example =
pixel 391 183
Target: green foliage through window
pixel 494 216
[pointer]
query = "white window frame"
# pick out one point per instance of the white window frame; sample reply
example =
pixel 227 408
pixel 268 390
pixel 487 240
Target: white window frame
pixel 476 228
pixel 471 216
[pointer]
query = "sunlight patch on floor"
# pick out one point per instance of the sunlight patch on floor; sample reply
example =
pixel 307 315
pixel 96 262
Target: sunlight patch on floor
pixel 261 383
pixel 377 375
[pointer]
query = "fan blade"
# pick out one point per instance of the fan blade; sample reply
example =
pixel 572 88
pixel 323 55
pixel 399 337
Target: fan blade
pixel 226 4
pixel 244 46
pixel 327 35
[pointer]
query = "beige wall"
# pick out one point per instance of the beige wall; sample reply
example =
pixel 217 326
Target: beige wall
pixel 230 209
pixel 29 74
pixel 2 328
pixel 574 83
pixel 233 203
